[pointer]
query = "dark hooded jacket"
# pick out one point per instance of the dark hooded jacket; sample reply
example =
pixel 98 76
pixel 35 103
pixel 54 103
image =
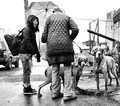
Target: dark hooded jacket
pixel 29 44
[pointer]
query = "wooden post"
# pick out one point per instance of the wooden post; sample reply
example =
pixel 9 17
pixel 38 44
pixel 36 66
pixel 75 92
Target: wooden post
pixel 90 37
pixel 25 8
pixel 98 31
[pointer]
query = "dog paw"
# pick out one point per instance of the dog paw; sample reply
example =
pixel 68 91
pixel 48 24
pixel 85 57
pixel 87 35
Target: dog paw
pixel 77 92
pixel 98 93
pixel 105 93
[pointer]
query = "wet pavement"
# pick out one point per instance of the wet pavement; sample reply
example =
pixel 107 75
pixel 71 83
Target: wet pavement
pixel 11 90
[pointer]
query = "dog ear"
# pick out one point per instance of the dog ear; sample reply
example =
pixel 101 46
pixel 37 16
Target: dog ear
pixel 79 59
pixel 102 51
pixel 86 59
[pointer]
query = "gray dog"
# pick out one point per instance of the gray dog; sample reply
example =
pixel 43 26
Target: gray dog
pixel 76 73
pixel 106 65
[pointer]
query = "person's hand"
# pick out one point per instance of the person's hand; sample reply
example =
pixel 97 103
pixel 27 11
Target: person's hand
pixel 38 57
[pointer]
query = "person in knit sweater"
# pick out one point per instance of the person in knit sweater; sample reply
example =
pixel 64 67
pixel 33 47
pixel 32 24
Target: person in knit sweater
pixel 60 50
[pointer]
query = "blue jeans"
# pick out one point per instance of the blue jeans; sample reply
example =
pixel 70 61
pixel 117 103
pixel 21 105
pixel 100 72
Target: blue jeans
pixel 26 60
pixel 56 81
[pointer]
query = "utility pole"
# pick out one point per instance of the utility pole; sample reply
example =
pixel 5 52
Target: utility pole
pixel 90 45
pixel 98 31
pixel 25 8
pixel 91 42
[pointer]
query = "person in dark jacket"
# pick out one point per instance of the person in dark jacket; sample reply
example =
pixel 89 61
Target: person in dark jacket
pixel 58 38
pixel 27 50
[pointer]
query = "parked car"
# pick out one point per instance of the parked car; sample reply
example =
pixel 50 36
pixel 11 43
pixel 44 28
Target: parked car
pixel 6 58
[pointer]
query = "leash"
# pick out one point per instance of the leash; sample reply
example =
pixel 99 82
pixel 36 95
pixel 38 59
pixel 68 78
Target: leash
pixel 80 66
pixel 81 49
pixel 78 46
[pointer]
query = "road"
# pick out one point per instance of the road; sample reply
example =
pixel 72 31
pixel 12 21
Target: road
pixel 11 90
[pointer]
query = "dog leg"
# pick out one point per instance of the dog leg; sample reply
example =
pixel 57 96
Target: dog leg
pixel 116 77
pixel 106 81
pixel 106 86
pixel 97 80
pixel 110 78
pixel 73 81
pixel 77 89
pixel 42 85
pixel 74 87
pixel 114 72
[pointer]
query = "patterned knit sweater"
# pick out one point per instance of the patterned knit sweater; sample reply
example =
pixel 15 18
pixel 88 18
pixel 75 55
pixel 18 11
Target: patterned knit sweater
pixel 57 34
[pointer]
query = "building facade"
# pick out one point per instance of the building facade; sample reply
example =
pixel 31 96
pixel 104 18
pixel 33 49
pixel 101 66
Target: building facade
pixel 112 30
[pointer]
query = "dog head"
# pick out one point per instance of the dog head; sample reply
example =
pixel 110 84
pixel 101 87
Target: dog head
pixel 82 60
pixel 98 52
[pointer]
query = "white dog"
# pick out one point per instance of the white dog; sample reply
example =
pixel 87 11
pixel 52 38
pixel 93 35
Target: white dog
pixel 104 64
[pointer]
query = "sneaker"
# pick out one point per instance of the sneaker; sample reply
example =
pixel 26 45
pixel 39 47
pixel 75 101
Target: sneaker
pixel 69 98
pixel 29 90
pixel 57 96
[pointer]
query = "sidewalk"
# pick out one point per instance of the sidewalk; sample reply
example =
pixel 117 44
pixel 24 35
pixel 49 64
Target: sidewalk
pixel 11 93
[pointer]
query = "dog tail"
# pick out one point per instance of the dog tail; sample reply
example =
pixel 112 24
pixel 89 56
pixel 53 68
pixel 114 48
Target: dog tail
pixel 115 67
pixel 46 72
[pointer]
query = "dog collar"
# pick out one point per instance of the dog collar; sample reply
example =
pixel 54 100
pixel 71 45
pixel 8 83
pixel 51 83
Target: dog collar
pixel 79 66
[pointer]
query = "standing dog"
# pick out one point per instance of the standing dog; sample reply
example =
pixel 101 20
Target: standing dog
pixel 76 73
pixel 104 64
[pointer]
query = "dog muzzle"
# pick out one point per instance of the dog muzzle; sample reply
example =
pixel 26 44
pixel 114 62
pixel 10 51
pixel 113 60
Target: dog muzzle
pixel 82 64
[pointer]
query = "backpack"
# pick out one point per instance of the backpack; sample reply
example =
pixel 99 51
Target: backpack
pixel 14 42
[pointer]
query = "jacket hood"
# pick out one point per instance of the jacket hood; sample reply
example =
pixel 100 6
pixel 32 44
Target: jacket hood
pixel 30 20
